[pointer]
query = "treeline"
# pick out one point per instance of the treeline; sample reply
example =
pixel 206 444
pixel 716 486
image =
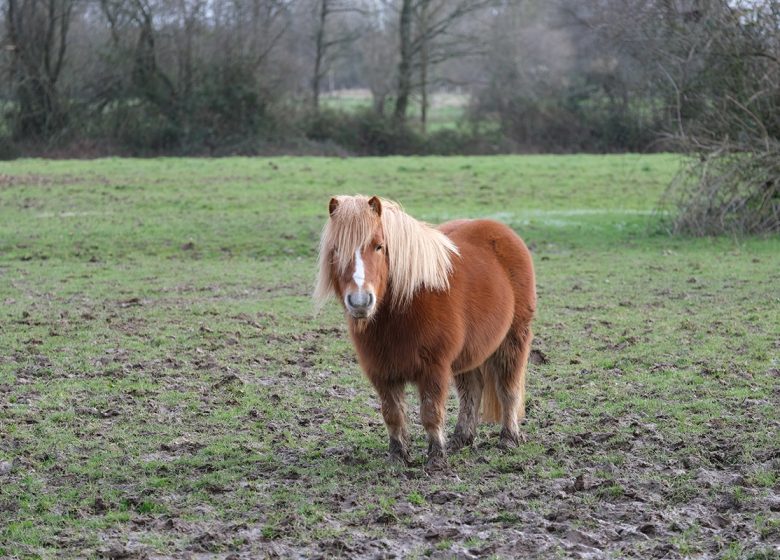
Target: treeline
pixel 144 77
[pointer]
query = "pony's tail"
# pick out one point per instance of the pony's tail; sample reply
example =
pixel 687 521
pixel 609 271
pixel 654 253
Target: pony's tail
pixel 491 406
pixel 506 369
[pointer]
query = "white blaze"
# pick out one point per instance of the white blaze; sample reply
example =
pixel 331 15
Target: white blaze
pixel 359 275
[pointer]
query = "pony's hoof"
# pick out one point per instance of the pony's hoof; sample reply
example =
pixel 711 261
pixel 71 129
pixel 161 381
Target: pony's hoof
pixel 458 442
pixel 398 454
pixel 437 458
pixel 399 459
pixel 509 440
pixel 437 462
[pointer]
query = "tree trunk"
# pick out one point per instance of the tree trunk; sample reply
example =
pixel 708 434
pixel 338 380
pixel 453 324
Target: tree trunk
pixel 40 113
pixel 424 65
pixel 189 22
pixel 150 82
pixel 405 65
pixel 319 55
pixel 39 39
pixel 379 101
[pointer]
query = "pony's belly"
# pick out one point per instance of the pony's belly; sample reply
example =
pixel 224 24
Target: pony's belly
pixel 405 351
pixel 487 307
pixel 481 342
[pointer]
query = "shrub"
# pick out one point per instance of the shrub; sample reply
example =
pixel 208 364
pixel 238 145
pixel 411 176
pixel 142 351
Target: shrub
pixel 363 132
pixel 467 140
pixel 733 135
pixel 575 118
pixel 8 149
pixel 727 192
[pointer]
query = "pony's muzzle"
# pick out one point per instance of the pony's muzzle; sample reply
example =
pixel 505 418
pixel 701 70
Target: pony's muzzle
pixel 359 303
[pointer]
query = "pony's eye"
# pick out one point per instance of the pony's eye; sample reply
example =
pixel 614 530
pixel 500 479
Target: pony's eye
pixel 379 248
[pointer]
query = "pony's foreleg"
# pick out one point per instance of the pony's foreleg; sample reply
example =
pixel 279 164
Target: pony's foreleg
pixel 469 385
pixel 433 398
pixel 393 400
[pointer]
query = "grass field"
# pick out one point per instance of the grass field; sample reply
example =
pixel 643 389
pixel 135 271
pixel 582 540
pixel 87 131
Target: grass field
pixel 445 110
pixel 166 389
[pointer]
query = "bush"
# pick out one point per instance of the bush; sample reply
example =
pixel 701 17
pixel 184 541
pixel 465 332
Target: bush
pixel 578 118
pixel 367 133
pixel 733 132
pixel 8 149
pixel 467 141
pixel 727 192
pixel 364 132
pixel 142 128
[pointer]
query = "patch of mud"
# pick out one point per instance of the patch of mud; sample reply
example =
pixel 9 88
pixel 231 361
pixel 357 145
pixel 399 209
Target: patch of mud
pixel 302 471
pixel 37 180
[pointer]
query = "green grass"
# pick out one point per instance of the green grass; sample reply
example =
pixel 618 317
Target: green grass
pixel 165 386
pixel 445 111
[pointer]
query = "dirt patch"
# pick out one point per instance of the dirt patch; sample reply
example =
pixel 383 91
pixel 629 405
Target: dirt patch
pixel 36 180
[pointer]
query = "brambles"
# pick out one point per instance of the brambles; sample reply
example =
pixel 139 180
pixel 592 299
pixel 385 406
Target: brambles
pixel 728 192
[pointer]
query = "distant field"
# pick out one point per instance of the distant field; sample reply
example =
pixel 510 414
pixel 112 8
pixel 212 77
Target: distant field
pixel 446 110
pixel 166 389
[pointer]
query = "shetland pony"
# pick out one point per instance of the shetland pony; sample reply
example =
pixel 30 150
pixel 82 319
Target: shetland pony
pixel 429 305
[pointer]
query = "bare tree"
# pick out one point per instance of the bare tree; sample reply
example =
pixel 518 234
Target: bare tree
pixel 319 54
pixel 556 75
pixel 149 79
pixel 404 89
pixel 427 37
pixel 37 35
pixel 325 41
pixel 423 17
pixel 377 51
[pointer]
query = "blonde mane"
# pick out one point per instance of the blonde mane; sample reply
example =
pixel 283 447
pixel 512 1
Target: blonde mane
pixel 420 255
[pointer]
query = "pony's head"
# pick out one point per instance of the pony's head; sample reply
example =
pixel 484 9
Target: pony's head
pixel 371 250
pixel 354 252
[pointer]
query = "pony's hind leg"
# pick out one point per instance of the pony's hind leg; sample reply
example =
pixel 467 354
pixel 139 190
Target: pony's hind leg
pixel 508 366
pixel 393 401
pixel 433 389
pixel 469 385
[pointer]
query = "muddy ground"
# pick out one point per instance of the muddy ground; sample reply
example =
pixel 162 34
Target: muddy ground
pixel 166 389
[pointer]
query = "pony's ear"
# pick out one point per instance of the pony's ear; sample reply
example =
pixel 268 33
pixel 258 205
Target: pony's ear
pixel 376 205
pixel 334 203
